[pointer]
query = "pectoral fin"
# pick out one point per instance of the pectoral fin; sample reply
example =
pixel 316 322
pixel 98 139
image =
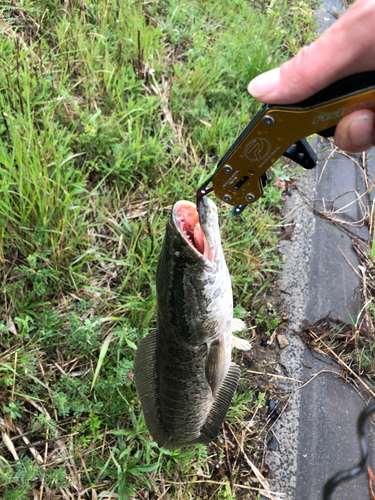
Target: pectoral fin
pixel 221 404
pixel 145 378
pixel 242 344
pixel 238 325
pixel 215 364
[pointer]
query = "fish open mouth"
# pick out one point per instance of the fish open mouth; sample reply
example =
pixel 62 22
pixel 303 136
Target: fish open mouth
pixel 187 219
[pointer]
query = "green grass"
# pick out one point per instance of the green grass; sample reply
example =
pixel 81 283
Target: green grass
pixel 110 112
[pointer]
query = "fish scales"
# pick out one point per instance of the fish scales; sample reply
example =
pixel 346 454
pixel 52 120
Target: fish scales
pixel 183 389
pixel 183 370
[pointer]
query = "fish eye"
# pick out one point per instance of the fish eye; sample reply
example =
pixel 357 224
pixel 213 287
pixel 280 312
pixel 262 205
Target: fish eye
pixel 180 257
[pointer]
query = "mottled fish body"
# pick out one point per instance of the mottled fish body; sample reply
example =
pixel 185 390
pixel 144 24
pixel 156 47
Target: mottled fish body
pixel 183 370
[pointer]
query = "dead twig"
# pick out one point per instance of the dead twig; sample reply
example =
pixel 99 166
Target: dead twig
pixel 275 375
pixel 371 483
pixel 230 476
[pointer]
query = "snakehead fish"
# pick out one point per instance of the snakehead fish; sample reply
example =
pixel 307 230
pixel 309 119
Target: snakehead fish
pixel 183 370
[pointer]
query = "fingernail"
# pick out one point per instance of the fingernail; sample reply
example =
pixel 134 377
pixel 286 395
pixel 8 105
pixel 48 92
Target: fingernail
pixel 360 131
pixel 264 84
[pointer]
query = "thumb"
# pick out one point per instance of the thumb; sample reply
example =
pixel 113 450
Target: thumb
pixel 346 48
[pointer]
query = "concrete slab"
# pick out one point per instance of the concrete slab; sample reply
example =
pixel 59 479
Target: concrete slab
pixel 327 434
pixel 327 12
pixel 333 283
pixel 317 435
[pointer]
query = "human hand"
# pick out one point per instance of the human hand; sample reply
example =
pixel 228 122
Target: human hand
pixel 346 48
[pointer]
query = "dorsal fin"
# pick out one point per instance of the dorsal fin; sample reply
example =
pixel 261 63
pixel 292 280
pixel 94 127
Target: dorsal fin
pixel 145 378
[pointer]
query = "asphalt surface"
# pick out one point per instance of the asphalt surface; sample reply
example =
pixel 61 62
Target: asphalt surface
pixel 317 435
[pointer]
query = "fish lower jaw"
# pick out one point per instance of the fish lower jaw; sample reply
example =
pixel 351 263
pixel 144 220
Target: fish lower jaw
pixel 188 249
